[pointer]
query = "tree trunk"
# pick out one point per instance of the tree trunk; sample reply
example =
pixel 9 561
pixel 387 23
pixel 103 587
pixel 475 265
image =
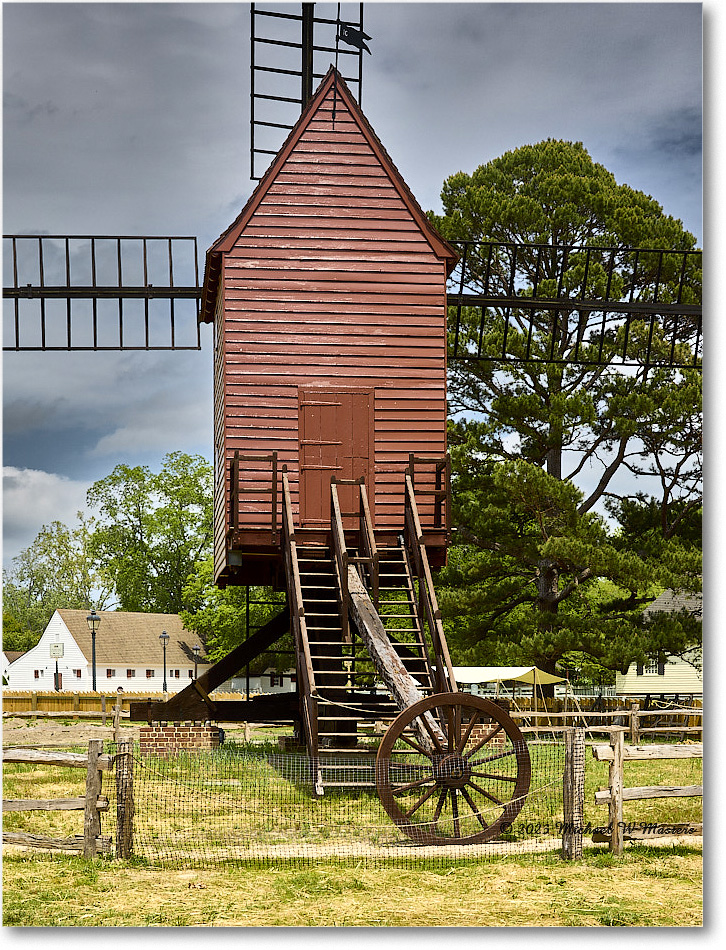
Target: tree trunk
pixel 548 577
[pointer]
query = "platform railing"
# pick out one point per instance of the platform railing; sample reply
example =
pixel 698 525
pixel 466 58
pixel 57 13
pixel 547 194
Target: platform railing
pixel 241 478
pixel 441 491
pixel 306 675
pixel 428 607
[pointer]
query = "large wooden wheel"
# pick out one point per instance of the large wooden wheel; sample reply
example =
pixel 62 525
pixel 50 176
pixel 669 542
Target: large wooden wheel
pixel 465 782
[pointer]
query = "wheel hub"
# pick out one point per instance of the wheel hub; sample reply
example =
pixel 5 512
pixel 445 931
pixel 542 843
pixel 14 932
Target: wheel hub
pixel 452 771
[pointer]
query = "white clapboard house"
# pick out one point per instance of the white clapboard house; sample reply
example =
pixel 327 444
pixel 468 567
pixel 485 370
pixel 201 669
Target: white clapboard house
pixel 129 653
pixel 669 675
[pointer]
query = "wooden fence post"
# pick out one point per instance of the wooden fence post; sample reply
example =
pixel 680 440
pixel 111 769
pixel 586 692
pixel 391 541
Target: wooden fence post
pixel 634 723
pixel 103 710
pixel 91 814
pixel 124 799
pixel 117 715
pixel 615 808
pixel 573 793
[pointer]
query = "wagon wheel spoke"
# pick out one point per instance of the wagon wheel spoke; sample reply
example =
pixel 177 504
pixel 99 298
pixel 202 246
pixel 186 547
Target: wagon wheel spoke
pixel 429 729
pixel 420 802
pixel 414 745
pixel 484 792
pixel 483 742
pixel 471 804
pixel 455 812
pixel 492 758
pixel 450 717
pixel 400 789
pixel 465 738
pixel 495 775
pixel 439 806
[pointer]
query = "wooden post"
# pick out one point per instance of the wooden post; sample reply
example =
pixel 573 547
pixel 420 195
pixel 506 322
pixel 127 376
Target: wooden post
pixel 617 736
pixel 76 702
pixel 33 701
pixel 91 815
pixel 103 710
pixel 573 793
pixel 124 799
pixel 634 723
pixel 117 715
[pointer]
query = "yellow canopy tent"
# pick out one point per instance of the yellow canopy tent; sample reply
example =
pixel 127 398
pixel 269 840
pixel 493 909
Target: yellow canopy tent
pixel 498 674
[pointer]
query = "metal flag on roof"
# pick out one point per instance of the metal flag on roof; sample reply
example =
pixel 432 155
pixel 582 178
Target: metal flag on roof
pixel 353 36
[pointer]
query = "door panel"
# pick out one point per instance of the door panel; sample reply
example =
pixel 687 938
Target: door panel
pixel 336 439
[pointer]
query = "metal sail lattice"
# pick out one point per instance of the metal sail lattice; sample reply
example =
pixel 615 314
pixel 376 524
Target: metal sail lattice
pixel 538 303
pixel 284 69
pixel 100 292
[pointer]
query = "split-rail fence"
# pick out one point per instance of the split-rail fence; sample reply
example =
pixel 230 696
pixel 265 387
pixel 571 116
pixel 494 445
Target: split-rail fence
pixel 93 803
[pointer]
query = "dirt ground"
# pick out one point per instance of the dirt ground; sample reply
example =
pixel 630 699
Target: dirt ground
pixel 54 734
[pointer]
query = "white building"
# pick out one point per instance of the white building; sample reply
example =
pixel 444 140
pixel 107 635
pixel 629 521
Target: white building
pixel 271 681
pixel 129 653
pixel 670 675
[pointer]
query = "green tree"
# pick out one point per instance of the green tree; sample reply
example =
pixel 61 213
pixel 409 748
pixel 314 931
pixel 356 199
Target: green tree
pixel 59 569
pixel 225 618
pixel 153 528
pixel 539 447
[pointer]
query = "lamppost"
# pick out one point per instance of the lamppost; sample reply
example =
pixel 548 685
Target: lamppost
pixel 164 637
pixel 93 621
pixel 196 648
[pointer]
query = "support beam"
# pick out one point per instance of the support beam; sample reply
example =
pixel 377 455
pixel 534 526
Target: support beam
pixel 387 662
pixel 189 702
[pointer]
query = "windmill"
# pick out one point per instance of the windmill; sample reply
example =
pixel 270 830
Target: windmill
pixel 328 300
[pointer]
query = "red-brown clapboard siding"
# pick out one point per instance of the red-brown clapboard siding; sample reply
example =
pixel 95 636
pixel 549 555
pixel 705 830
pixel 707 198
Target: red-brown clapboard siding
pixel 333 283
pixel 221 493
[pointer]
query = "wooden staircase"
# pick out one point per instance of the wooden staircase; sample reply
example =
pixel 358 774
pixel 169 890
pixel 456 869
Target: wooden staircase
pixel 345 706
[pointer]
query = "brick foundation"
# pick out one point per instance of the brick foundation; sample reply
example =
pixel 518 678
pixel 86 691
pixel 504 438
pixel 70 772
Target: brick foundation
pixel 168 738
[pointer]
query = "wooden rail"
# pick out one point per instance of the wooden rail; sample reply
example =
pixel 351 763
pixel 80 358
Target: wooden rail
pixel 306 676
pixel 368 546
pixel 237 490
pixel 93 803
pixel 633 715
pixel 428 607
pixel 340 559
pixel 617 753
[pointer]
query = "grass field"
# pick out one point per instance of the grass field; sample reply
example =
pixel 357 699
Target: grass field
pixel 648 886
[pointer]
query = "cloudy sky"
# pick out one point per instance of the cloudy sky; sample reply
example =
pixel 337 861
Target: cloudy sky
pixel 134 119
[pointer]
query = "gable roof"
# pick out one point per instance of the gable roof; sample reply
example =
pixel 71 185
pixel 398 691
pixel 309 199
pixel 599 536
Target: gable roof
pixel 675 601
pixel 332 85
pixel 133 638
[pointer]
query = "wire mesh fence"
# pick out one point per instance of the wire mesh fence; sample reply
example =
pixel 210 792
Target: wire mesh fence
pixel 242 805
pixel 250 804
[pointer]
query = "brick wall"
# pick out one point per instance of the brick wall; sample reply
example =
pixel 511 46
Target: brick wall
pixel 167 738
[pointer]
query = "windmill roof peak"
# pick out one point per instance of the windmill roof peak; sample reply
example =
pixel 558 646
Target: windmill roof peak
pixel 332 83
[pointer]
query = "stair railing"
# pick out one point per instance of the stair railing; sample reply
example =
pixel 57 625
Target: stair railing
pixel 340 557
pixel 368 546
pixel 306 676
pixel 428 607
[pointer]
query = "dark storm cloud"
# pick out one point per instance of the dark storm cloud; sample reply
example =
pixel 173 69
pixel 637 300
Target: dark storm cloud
pixel 134 118
pixel 467 82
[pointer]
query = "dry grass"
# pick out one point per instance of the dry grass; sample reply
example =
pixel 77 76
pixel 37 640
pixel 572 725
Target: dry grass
pixel 647 887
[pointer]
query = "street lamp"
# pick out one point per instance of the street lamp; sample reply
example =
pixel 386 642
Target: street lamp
pixel 196 648
pixel 93 621
pixel 164 637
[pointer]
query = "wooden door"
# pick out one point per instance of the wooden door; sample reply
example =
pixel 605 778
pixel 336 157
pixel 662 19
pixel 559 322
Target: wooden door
pixel 336 439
